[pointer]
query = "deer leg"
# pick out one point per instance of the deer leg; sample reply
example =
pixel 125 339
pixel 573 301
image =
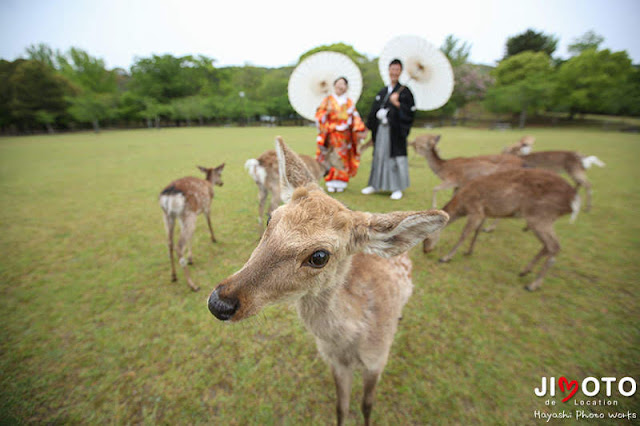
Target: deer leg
pixel 188 225
pixel 169 224
pixel 581 180
pixel 443 185
pixel 262 197
pixel 343 376
pixel 492 226
pixel 370 379
pixel 533 262
pixel 472 223
pixel 473 239
pixel 207 215
pixel 548 237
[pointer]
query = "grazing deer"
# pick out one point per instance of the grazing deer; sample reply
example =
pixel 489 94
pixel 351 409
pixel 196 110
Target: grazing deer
pixel 522 147
pixel 538 196
pixel 185 199
pixel 455 172
pixel 347 272
pixel 264 171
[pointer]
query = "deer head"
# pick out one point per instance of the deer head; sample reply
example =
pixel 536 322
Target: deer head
pixel 423 144
pixel 308 244
pixel 213 175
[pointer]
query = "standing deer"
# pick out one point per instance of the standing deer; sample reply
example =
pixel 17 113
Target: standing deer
pixel 538 196
pixel 455 172
pixel 347 272
pixel 571 162
pixel 185 199
pixel 264 171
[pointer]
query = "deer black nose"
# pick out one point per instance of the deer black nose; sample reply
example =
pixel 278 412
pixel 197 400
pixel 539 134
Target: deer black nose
pixel 222 308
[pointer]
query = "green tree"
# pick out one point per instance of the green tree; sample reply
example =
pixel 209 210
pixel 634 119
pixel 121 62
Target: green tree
pixel 272 92
pixel 166 77
pixel 595 82
pixel 371 84
pixel 458 54
pixel 531 40
pixel 89 107
pixel 95 87
pixel 43 53
pixel 32 89
pixel 87 72
pixel 589 40
pixel 345 49
pixel 523 84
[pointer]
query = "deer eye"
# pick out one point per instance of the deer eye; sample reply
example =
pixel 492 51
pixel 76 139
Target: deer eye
pixel 318 259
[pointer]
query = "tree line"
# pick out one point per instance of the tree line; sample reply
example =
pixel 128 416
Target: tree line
pixel 52 90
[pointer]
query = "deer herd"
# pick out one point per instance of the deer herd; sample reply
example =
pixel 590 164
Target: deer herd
pixel 348 272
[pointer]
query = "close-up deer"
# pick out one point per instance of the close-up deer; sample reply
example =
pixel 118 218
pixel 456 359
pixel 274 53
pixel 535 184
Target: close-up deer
pixel 347 272
pixel 538 196
pixel 264 171
pixel 184 199
pixel 455 172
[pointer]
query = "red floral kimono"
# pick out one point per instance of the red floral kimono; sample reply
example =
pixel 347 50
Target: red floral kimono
pixel 338 125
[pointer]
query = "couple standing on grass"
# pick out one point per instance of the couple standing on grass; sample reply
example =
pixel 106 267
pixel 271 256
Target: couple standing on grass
pixel 341 128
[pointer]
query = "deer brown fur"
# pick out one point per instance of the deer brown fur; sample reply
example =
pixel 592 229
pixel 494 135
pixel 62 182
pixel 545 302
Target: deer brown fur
pixel 184 199
pixel 347 272
pixel 538 196
pixel 570 162
pixel 455 172
pixel 264 171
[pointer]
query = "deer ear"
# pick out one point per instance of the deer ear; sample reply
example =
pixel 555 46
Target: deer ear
pixel 391 234
pixel 220 167
pixel 203 169
pixel 293 172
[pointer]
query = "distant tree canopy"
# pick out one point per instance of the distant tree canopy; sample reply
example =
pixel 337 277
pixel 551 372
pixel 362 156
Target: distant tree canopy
pixel 597 82
pixel 533 41
pixel 589 40
pixel 522 84
pixel 345 49
pixel 458 54
pixel 52 90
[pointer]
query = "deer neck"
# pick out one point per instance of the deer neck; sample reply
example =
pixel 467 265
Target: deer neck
pixel 323 312
pixel 435 162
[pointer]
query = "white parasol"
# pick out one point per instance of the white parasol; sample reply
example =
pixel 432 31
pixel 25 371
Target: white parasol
pixel 426 70
pixel 312 80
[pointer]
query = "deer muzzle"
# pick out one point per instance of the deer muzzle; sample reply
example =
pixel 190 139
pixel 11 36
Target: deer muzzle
pixel 222 308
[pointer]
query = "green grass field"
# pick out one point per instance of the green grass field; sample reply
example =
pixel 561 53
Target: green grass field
pixel 94 332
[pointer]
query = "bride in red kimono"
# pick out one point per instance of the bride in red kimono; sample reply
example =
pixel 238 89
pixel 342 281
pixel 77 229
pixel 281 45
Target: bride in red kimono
pixel 341 128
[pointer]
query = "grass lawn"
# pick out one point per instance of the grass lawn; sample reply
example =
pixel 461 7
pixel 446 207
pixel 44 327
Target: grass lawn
pixel 93 331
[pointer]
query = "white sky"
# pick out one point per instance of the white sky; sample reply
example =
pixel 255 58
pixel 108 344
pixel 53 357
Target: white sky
pixel 275 33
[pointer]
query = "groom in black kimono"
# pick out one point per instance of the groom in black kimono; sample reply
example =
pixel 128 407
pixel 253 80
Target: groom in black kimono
pixel 390 121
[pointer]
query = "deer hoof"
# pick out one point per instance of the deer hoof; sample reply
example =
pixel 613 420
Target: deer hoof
pixel 443 260
pixel 195 289
pixel 529 288
pixel 174 278
pixel 523 273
